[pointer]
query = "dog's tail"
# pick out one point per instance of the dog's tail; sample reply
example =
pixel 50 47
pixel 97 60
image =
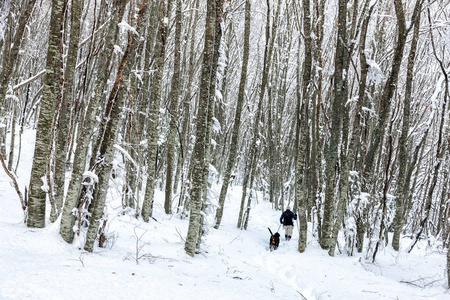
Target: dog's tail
pixel 270 231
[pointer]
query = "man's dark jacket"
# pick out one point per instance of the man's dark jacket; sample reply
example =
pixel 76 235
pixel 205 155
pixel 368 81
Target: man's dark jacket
pixel 288 217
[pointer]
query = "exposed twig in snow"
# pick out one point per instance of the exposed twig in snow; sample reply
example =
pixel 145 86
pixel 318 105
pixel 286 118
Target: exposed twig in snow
pixel 179 233
pixel 301 295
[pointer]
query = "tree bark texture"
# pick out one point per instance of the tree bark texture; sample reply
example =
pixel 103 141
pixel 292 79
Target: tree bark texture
pixel 61 142
pixel 37 196
pixel 173 113
pixel 403 156
pixel 303 130
pixel 339 99
pixel 152 125
pixel 198 156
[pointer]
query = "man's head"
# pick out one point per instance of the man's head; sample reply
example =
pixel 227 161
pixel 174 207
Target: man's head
pixel 288 207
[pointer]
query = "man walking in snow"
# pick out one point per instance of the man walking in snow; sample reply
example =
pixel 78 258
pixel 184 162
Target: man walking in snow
pixel 287 219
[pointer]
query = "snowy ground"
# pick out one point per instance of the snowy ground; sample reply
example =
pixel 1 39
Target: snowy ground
pixel 234 264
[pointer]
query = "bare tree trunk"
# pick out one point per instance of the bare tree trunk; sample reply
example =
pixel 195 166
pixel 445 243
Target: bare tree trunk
pixel 152 127
pixel 237 118
pixel 198 158
pixel 61 142
pixel 186 127
pixel 173 113
pixel 302 129
pixel 340 96
pixel 37 196
pixel 355 143
pixel 403 156
pixel 344 173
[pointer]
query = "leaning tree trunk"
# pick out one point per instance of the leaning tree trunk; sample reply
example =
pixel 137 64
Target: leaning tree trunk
pixel 152 127
pixel 8 62
pixel 198 156
pixel 61 142
pixel 340 97
pixel 37 196
pixel 88 122
pixel 237 117
pixel 173 113
pixel 402 155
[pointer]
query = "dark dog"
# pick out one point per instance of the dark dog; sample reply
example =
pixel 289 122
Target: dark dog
pixel 274 240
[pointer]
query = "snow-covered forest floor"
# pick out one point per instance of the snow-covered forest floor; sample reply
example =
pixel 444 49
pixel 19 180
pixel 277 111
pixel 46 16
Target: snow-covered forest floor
pixel 233 264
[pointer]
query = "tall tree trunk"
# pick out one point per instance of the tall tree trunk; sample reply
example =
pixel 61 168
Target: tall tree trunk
pixel 37 196
pixel 87 123
pixel 340 96
pixel 355 142
pixel 198 156
pixel 303 129
pixel 345 160
pixel 218 45
pixel 316 143
pixel 173 113
pixel 185 151
pixel 152 126
pixel 403 156
pixel 61 142
pixel 237 117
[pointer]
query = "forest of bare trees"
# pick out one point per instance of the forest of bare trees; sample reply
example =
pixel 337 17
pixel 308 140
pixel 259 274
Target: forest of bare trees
pixel 337 108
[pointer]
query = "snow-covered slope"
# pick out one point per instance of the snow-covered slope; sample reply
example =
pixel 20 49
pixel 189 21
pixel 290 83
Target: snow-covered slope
pixel 233 264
